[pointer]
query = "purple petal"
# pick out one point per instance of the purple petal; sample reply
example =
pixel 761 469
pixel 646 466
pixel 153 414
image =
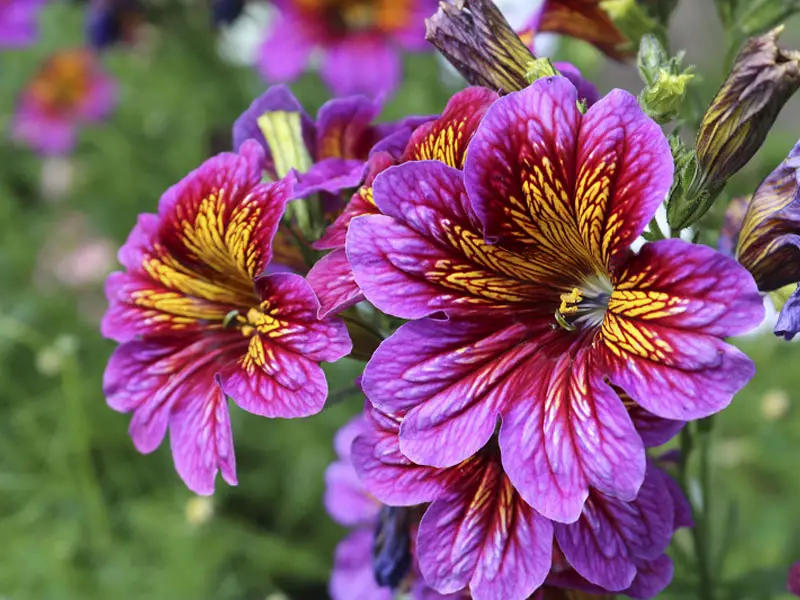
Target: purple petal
pixel 652 577
pixel 363 64
pixel 604 544
pixel 285 52
pixel 653 430
pixel 661 334
pixel 331 175
pixel 587 91
pixel 18 23
pixel 483 536
pixel 788 324
pixel 333 282
pixel 343 128
pixel 793 583
pixel 569 431
pixel 352 577
pixel 100 98
pixel 201 441
pixel 453 377
pixel 345 498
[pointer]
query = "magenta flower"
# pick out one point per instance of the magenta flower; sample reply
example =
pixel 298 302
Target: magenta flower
pixel 526 253
pixel 353 576
pixel 793 583
pixel 479 533
pixel 338 143
pixel 444 139
pixel 18 22
pixel 71 89
pixel 768 244
pixel 360 41
pixel 199 320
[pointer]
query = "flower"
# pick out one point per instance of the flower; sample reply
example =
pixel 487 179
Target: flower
pixel 69 90
pixel 359 556
pixel 793 582
pixel 198 320
pixel 478 532
pixel 528 304
pixel 111 21
pixel 769 239
pixel 443 139
pixel 225 12
pixel 582 19
pixel 329 154
pixel 761 81
pixel 359 40
pixel 18 22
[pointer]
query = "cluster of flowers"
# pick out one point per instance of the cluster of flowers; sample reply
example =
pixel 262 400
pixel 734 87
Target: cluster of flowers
pixel 531 357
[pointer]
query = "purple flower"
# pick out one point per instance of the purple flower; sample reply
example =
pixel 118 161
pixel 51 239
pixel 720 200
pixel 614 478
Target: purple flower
pixel 338 144
pixel 360 41
pixel 444 139
pixel 347 501
pixel 769 239
pixel 199 321
pixel 18 22
pixel 70 89
pixel 531 305
pixel 479 533
pixel 112 21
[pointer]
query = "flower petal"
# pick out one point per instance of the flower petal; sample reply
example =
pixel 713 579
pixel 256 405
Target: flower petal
pixel 604 543
pixel 386 473
pixel 453 377
pixel 484 536
pixel 333 282
pixel 446 138
pixel 345 498
pixel 361 203
pixel 285 52
pixel 652 577
pixel 788 324
pixel 344 128
pixel 201 441
pixel 431 256
pixel 661 335
pixel 352 577
pixel 624 174
pixel 364 64
pixel 573 433
pixel 330 175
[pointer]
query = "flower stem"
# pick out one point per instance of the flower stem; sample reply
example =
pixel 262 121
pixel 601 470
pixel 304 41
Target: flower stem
pixel 702 530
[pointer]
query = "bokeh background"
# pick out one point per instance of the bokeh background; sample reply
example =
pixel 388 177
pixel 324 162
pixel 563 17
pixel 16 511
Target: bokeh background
pixel 84 517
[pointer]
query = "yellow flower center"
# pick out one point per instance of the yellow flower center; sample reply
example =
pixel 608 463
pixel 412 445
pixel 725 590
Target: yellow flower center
pixel 584 306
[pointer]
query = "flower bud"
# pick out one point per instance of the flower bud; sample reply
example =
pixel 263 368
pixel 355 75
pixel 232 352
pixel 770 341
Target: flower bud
pixel 474 36
pixel 762 79
pixel 769 240
pixel 665 80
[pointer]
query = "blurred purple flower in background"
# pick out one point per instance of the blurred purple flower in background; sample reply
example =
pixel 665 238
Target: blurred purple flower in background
pixel 360 41
pixel 18 22
pixel 112 21
pixel 69 90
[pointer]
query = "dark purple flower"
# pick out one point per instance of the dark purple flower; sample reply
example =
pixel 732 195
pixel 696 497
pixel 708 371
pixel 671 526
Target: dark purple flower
pixel 112 21
pixel 360 40
pixel 793 583
pixel 199 320
pixel 225 12
pixel 769 240
pixel 18 22
pixel 70 89
pixel 527 255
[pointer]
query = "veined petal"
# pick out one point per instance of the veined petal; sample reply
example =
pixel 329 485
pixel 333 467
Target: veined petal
pixel 330 175
pixel 485 537
pixel 652 577
pixel 201 441
pixel 661 334
pixel 361 203
pixel 430 256
pixel 333 282
pixel 387 474
pixel 446 138
pixel 624 174
pixel 788 324
pixel 603 545
pixel 574 433
pixel 279 376
pixel 276 98
pixel 151 378
pixel 654 431
pixel 453 377
pixel 343 128
pixel 585 20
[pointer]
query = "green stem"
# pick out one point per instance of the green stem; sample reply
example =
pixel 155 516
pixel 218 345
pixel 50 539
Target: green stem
pixel 702 530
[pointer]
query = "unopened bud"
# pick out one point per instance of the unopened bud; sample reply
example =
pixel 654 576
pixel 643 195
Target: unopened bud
pixel 762 79
pixel 474 36
pixel 662 101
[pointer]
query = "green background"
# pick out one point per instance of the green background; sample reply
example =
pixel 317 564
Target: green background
pixel 84 516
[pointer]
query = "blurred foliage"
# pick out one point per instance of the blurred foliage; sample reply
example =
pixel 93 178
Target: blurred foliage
pixel 83 516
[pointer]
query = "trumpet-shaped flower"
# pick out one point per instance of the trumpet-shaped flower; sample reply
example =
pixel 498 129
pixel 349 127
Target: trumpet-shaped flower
pixel 199 321
pixel 70 89
pixel 480 534
pixel 360 40
pixel 444 139
pixel 526 255
pixel 18 22
pixel 769 240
